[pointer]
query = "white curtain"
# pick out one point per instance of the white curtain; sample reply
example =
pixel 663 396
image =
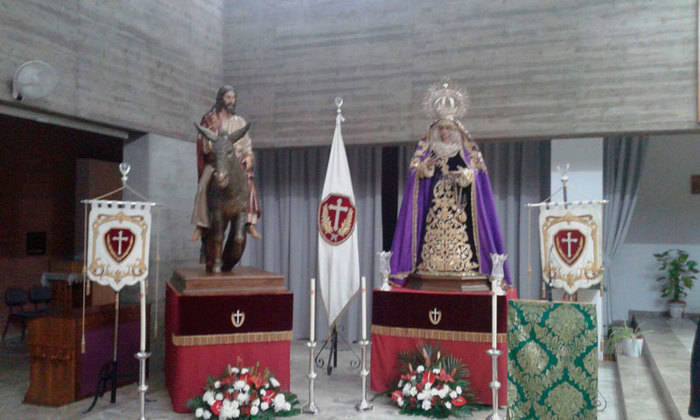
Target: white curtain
pixel 519 174
pixel 289 183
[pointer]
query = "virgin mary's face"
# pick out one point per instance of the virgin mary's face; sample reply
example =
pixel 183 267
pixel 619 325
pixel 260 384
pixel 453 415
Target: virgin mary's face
pixel 445 131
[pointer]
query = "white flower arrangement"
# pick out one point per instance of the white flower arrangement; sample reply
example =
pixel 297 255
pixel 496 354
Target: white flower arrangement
pixel 243 393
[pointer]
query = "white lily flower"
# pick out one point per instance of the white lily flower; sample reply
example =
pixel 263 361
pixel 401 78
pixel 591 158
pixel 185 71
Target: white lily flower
pixel 219 396
pixel 244 371
pixel 206 415
pixel 239 384
pixel 420 369
pixel 208 397
pixel 426 405
pixel 453 394
pixel 254 410
pixel 406 388
pixel 413 391
pixel 448 405
pixel 199 412
pixel 264 406
pixel 217 384
pixel 459 390
pixel 274 382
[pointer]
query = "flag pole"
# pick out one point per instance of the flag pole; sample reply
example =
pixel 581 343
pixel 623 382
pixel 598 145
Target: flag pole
pixel 336 208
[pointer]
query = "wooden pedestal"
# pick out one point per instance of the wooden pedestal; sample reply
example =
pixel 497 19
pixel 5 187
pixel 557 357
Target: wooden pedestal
pixel 212 320
pixel 241 281
pixel 448 282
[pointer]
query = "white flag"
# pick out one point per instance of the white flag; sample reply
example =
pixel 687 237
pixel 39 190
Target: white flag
pixel 571 246
pixel 118 242
pixel 338 259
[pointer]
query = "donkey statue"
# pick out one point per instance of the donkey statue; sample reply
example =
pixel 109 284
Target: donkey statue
pixel 227 202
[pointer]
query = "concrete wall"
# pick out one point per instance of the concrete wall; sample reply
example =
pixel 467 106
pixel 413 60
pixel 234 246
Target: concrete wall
pixel 534 69
pixel 164 170
pixel 666 217
pixel 149 66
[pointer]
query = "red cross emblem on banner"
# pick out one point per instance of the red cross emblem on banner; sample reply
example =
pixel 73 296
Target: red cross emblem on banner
pixel 119 243
pixel 569 244
pixel 336 218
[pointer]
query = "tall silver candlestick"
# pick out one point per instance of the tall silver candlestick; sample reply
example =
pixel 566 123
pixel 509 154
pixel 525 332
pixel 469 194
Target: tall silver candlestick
pixel 364 405
pixel 310 407
pixel 496 290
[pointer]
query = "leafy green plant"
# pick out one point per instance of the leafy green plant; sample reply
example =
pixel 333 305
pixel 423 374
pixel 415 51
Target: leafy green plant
pixel 679 273
pixel 617 333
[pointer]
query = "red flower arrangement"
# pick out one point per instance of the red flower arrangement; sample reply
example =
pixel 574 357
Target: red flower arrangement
pixel 436 387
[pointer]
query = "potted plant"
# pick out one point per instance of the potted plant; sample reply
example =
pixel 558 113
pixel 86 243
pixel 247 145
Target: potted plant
pixel 624 339
pixel 678 276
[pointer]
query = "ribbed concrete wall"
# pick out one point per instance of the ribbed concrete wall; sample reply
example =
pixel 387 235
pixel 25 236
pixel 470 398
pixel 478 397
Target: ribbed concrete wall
pixel 533 68
pixel 150 66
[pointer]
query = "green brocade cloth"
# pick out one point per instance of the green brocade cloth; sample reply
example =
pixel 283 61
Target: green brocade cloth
pixel 552 360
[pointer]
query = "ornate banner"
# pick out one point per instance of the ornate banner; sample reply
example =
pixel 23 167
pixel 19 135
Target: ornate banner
pixel 571 246
pixel 118 242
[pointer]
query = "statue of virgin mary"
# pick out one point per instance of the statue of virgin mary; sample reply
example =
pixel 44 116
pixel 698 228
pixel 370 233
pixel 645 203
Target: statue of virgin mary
pixel 447 224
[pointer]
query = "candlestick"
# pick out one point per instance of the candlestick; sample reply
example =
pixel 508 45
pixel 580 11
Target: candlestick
pixel 312 306
pixel 494 304
pixel 363 291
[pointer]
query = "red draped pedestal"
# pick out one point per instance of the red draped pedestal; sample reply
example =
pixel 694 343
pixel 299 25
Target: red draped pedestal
pixel 401 320
pixel 201 338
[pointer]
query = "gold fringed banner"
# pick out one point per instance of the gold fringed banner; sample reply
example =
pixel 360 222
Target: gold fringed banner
pixel 474 337
pixel 214 339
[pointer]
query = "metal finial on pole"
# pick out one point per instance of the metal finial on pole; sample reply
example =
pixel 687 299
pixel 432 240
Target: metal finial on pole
pixel 564 179
pixel 339 103
pixel 124 168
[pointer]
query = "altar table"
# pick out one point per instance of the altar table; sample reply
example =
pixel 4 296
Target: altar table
pixel 206 332
pixel 401 320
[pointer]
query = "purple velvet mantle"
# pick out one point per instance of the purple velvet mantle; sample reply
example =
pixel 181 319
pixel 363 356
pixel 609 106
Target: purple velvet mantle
pixel 416 203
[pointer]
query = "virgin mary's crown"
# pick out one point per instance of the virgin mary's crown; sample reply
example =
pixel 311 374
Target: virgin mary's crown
pixel 446 102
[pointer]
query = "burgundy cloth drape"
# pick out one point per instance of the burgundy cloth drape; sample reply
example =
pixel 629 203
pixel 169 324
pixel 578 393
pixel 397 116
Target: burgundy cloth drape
pixel 462 312
pixel 188 367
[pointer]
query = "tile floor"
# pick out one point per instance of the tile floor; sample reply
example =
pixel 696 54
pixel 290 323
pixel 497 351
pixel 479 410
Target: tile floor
pixel 335 395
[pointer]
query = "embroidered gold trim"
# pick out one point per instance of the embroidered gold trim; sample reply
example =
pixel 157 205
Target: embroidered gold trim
pixel 446 245
pixel 214 339
pixel 474 337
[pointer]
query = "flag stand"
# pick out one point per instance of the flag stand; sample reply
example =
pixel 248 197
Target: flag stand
pixel 109 370
pixel 332 344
